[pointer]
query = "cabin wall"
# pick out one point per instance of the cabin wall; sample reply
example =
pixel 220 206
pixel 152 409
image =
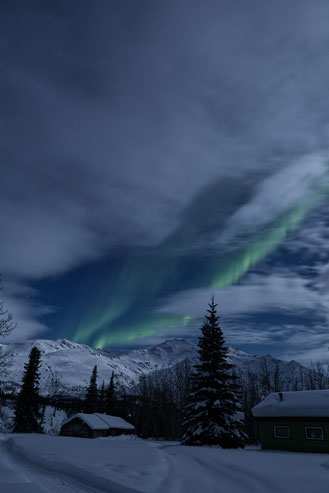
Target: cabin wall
pixel 76 428
pixel 113 432
pixel 98 433
pixel 297 441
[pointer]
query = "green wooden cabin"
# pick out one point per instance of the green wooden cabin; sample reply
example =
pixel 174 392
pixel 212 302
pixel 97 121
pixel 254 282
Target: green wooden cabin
pixel 297 421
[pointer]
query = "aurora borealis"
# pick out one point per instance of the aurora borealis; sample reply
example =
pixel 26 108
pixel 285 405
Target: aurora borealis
pixel 154 153
pixel 143 278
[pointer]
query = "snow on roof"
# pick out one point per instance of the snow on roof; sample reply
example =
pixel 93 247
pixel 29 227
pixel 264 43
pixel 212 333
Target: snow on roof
pixel 99 421
pixel 115 421
pixel 302 403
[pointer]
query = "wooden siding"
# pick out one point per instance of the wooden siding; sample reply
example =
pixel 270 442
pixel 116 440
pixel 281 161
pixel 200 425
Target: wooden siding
pixel 76 428
pixel 297 441
pixel 98 433
pixel 113 432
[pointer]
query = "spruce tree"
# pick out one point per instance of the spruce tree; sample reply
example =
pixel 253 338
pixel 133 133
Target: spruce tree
pixel 110 400
pixel 27 415
pixel 90 405
pixel 212 405
pixel 101 399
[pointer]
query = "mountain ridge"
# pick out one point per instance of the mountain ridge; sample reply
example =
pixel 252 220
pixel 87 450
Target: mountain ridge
pixel 67 365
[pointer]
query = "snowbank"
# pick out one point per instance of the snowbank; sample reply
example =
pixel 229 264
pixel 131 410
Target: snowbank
pixel 12 480
pixel 99 463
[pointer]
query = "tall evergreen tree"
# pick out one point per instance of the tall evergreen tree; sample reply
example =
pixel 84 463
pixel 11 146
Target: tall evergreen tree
pixel 110 400
pixel 212 406
pixel 101 399
pixel 90 405
pixel 27 416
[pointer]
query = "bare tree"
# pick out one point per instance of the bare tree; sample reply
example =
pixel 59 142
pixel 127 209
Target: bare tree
pixel 7 325
pixel 301 378
pixel 321 376
pixel 160 398
pixel 276 377
pixel 266 378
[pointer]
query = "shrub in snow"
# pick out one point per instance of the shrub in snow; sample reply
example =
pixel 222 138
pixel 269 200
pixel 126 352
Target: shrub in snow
pixel 212 411
pixel 6 415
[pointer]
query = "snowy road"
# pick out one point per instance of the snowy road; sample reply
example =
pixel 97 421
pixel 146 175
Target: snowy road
pixel 211 470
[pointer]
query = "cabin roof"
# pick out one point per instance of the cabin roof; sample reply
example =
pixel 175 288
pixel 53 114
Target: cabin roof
pixel 306 403
pixel 97 421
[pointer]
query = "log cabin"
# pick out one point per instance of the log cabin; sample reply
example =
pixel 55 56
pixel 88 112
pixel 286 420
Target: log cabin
pixel 95 425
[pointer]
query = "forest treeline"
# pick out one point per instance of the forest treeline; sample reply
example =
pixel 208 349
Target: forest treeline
pixel 155 405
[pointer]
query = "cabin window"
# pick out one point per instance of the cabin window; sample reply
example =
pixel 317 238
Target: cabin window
pixel 314 433
pixel 281 431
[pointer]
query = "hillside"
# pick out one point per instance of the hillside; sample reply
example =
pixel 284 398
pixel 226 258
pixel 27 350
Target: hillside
pixel 67 365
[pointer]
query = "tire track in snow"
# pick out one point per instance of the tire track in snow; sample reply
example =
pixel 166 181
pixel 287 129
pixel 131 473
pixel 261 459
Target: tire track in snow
pixel 28 473
pixel 186 475
pixel 50 479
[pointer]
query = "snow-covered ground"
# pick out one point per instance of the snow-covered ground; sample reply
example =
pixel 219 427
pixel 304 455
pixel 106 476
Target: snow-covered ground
pixel 113 465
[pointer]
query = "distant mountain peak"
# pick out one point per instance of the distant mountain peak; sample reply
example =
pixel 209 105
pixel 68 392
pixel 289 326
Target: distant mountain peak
pixel 71 363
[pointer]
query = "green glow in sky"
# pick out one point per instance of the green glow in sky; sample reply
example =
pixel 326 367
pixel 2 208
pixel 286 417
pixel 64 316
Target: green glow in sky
pixel 267 241
pixel 147 329
pixel 144 277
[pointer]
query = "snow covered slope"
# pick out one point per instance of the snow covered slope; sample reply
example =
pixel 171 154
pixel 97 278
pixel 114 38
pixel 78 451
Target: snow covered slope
pixel 67 365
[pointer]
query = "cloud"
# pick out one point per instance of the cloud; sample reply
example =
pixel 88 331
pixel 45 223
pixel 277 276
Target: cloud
pixel 306 346
pixel 283 313
pixel 88 168
pixel 278 193
pixel 258 293
pixel 21 301
pixel 148 125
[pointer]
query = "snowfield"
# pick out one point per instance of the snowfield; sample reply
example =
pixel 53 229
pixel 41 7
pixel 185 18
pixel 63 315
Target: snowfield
pixel 40 463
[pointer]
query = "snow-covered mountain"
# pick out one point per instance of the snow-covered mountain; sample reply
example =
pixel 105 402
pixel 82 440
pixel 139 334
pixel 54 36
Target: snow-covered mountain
pixel 67 365
pixel 70 363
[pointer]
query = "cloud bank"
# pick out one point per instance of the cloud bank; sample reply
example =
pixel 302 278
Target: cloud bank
pixel 157 125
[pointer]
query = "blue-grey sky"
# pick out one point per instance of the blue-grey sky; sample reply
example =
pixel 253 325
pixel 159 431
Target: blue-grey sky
pixel 153 153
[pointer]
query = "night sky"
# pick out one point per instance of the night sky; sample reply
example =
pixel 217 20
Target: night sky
pixel 154 153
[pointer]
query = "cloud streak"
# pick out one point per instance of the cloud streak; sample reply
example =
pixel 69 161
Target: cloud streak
pixel 160 128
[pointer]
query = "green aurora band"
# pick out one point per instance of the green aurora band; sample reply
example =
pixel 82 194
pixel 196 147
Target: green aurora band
pixel 268 240
pixel 224 271
pixel 147 329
